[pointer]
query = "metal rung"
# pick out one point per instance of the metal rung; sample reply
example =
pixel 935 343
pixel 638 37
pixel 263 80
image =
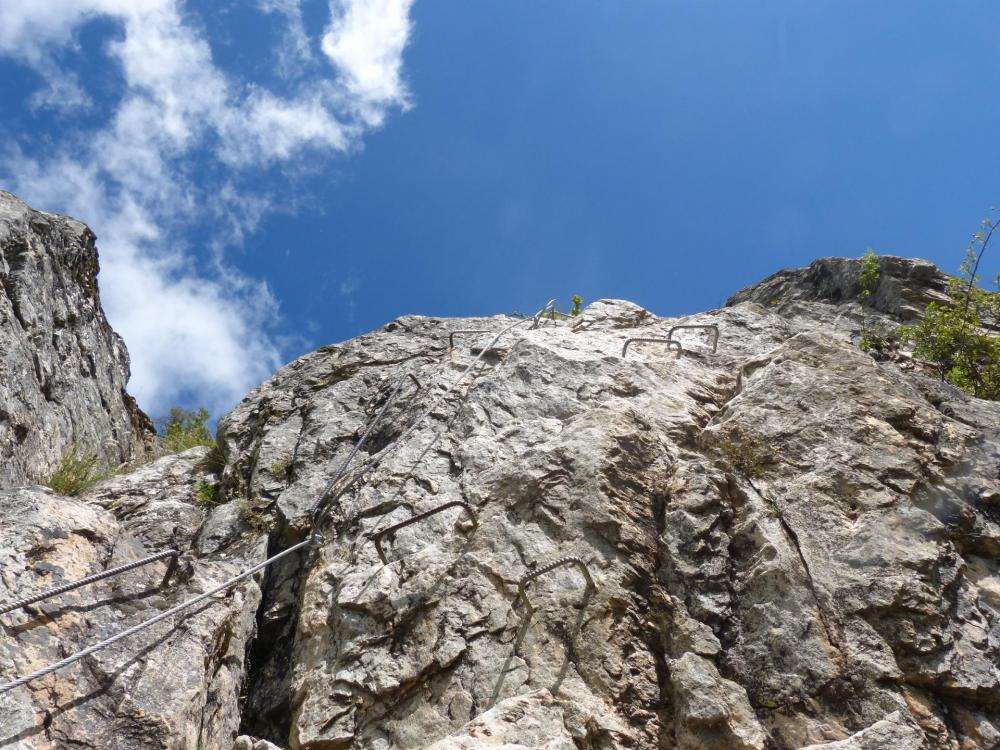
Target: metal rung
pixel 591 586
pixel 451 336
pixel 377 538
pixel 669 342
pixel 712 327
pixel 172 553
pixel 549 307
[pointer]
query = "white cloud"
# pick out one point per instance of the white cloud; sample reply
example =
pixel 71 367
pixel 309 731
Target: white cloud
pixel 348 289
pixel 188 329
pixel 295 52
pixel 365 42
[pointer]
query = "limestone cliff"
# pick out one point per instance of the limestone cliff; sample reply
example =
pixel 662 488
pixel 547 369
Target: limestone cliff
pixel 791 545
pixel 62 369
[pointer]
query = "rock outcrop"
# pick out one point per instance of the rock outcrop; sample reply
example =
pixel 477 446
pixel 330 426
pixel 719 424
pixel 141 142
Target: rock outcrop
pixel 176 686
pixel 791 544
pixel 62 369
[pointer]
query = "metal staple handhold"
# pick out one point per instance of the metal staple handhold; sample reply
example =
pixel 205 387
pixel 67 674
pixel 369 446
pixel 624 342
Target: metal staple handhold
pixel 549 307
pixel 550 567
pixel 669 342
pixel 172 553
pixel 415 424
pixel 451 336
pixel 711 327
pixel 377 538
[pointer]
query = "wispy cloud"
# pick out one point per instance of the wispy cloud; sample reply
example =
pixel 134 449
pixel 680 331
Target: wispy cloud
pixel 348 289
pixel 195 327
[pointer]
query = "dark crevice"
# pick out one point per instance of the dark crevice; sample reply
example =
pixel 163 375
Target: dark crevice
pixel 265 703
pixel 794 539
pixel 15 253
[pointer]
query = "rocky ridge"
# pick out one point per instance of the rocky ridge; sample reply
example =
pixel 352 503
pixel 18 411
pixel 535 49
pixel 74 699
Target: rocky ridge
pixel 63 370
pixel 792 546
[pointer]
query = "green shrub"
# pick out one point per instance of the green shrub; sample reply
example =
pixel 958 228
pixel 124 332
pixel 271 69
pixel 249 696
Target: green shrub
pixel 876 339
pixel 959 336
pixel 257 520
pixel 77 472
pixel 209 495
pixel 214 461
pixel 868 281
pixel 870 275
pixel 185 429
pixel 577 305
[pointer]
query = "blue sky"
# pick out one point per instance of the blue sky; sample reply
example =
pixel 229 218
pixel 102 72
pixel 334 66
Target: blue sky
pixel 342 163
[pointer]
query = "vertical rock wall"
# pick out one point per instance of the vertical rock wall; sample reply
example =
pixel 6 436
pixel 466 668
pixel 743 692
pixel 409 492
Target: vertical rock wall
pixel 792 544
pixel 63 370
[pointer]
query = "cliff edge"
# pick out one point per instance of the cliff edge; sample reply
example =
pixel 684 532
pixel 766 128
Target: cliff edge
pixel 548 535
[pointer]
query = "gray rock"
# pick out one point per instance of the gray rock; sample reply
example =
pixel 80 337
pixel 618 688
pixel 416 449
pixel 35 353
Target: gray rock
pixel 711 712
pixel 534 720
pixel 245 742
pixel 892 732
pixel 62 369
pixel 788 521
pixel 174 685
pixel 906 286
pixel 792 545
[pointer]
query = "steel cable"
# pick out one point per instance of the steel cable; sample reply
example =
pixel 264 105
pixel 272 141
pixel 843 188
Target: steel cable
pixel 315 515
pixel 314 508
pixel 11 606
pixel 378 525
pixel 311 541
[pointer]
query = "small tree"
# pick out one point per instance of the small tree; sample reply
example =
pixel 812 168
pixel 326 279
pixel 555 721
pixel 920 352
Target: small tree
pixel 869 283
pixel 876 339
pixel 960 336
pixel 185 429
pixel 577 305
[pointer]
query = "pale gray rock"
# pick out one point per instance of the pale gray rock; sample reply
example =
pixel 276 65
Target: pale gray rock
pixel 792 545
pixel 245 742
pixel 711 712
pixel 63 370
pixel 906 286
pixel 790 540
pixel 175 685
pixel 535 720
pixel 892 732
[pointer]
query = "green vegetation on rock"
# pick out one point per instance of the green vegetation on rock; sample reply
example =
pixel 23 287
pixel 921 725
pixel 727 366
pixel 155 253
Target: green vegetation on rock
pixel 76 473
pixel 185 429
pixel 960 336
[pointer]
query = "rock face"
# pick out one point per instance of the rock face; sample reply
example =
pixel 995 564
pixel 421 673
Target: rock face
pixel 174 686
pixel 62 369
pixel 906 287
pixel 791 544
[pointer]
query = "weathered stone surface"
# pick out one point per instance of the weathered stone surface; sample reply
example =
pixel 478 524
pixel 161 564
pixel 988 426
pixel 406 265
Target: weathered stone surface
pixel 793 545
pixel 62 369
pixel 245 742
pixel 892 732
pixel 534 720
pixel 174 685
pixel 906 286
pixel 803 528
pixel 711 712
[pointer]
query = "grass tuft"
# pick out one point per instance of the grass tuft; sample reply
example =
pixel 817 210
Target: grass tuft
pixel 77 472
